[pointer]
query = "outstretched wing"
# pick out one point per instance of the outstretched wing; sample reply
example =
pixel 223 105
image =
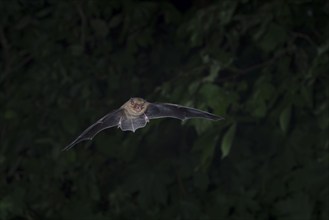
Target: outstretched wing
pixel 163 110
pixel 110 120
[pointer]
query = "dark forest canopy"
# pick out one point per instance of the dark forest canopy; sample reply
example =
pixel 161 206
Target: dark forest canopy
pixel 263 65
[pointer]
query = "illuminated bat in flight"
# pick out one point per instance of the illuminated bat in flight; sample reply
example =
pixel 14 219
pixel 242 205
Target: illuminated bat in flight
pixel 136 113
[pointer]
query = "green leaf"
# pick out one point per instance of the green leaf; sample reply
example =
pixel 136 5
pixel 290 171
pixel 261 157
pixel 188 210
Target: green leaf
pixel 214 70
pixel 10 114
pixel 275 36
pixel 307 95
pixel 228 140
pixel 76 49
pixel 206 157
pixel 115 21
pixel 215 97
pixel 323 48
pixel 201 180
pixel 100 27
pixel 5 207
pixel 206 143
pixel 295 207
pixel 258 108
pixel 323 120
pixel 285 119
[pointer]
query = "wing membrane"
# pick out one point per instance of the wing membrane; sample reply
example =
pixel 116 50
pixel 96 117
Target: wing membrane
pixel 163 110
pixel 110 120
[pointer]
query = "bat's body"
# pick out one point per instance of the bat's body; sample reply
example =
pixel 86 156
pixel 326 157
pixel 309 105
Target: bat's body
pixel 136 113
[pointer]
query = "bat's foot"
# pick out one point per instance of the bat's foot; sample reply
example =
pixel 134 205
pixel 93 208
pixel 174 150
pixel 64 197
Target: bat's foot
pixel 146 119
pixel 119 123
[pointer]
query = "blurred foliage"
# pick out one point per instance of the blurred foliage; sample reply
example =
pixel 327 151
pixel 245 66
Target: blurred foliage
pixel 263 65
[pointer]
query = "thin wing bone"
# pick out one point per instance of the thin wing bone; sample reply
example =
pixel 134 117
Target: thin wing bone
pixel 110 120
pixel 164 110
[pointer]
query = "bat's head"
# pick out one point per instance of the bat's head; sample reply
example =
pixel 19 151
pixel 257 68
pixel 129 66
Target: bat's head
pixel 137 105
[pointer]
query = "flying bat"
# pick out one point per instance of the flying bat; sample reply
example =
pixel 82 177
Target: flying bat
pixel 136 113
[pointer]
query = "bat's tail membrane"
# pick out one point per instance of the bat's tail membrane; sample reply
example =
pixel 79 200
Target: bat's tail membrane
pixel 132 124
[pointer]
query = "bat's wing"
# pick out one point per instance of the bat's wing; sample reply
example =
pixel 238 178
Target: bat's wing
pixel 163 110
pixel 110 120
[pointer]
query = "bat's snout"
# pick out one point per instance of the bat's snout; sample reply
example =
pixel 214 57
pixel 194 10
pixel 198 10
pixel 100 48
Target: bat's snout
pixel 138 107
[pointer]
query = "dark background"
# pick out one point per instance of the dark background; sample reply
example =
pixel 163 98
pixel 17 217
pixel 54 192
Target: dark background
pixel 263 65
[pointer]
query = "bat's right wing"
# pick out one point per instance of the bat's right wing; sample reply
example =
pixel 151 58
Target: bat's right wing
pixel 163 110
pixel 110 120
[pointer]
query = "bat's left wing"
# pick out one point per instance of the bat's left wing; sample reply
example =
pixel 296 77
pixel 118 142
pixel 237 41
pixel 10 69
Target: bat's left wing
pixel 163 110
pixel 110 120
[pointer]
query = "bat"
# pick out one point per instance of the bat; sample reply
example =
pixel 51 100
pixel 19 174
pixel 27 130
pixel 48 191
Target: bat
pixel 136 113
